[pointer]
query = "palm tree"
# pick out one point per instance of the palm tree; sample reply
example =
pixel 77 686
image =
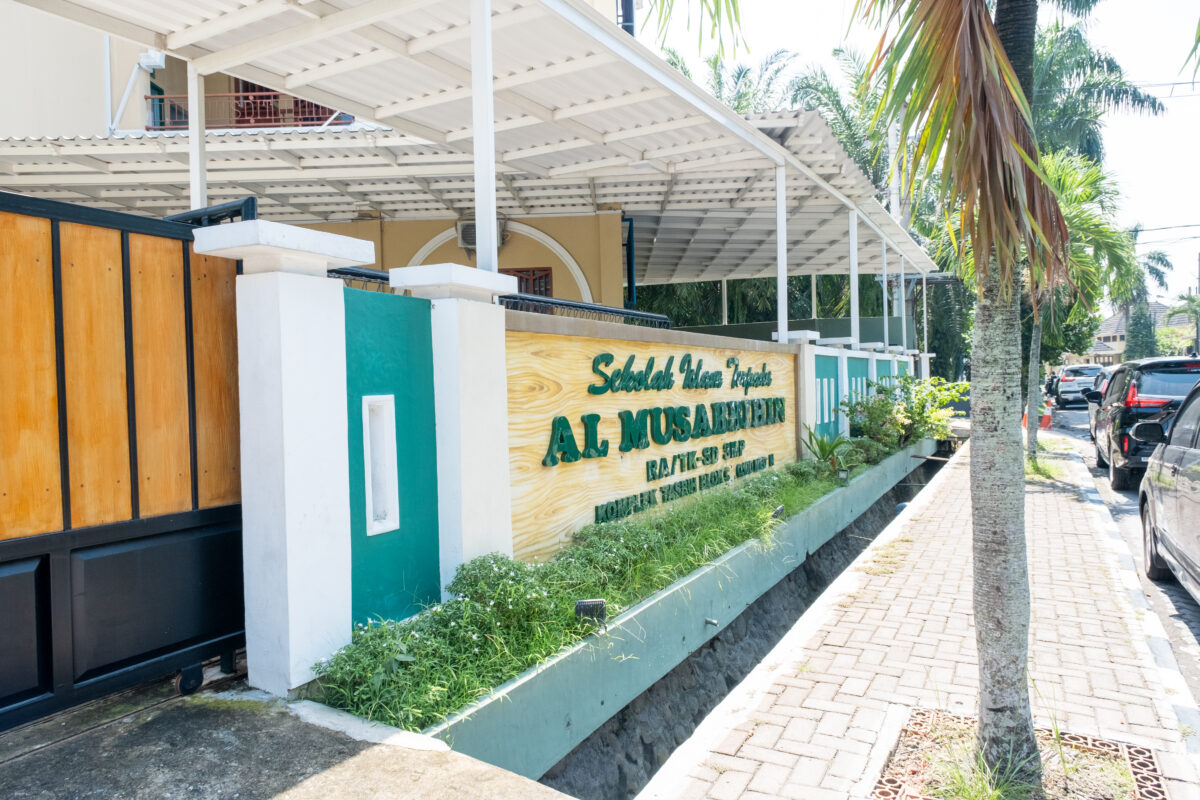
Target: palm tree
pixel 743 88
pixel 1074 85
pixel 1189 304
pixel 852 118
pixel 1097 247
pixel 960 82
pixel 1130 286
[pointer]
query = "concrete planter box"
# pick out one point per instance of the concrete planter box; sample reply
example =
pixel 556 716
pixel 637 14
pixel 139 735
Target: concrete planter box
pixel 527 725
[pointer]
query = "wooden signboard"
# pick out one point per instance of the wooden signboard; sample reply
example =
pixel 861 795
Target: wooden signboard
pixel 601 429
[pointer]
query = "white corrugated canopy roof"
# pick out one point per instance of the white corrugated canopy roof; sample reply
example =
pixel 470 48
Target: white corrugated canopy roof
pixel 586 117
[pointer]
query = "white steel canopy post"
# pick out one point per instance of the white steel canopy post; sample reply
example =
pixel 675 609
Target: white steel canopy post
pixel 903 308
pixel 781 252
pixel 854 276
pixel 925 314
pixel 724 302
pixel 197 159
pixel 812 295
pixel 483 120
pixel 884 284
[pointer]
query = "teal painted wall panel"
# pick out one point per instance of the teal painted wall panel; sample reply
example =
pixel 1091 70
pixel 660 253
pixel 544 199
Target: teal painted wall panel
pixel 883 372
pixel 828 396
pixel 858 373
pixel 903 367
pixel 389 351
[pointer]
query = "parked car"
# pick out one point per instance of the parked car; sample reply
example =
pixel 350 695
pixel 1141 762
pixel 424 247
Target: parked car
pixel 1169 498
pixel 1099 384
pixel 1138 390
pixel 1073 382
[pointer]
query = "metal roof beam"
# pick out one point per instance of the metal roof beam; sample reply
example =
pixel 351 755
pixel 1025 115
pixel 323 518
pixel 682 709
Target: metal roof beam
pixel 609 103
pixel 223 23
pixel 500 84
pixel 334 24
pixel 641 58
pixel 512 189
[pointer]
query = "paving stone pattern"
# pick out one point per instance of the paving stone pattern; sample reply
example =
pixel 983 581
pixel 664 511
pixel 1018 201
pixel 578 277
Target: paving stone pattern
pixel 818 718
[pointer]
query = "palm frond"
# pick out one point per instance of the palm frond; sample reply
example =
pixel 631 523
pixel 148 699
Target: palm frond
pixel 949 82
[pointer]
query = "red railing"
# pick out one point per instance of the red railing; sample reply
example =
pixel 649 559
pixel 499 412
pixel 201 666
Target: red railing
pixel 168 112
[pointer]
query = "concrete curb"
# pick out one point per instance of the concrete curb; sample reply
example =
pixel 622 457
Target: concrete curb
pixel 360 729
pixel 739 704
pixel 1155 649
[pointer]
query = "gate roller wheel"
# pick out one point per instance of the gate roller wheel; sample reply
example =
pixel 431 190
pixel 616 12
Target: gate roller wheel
pixel 189 679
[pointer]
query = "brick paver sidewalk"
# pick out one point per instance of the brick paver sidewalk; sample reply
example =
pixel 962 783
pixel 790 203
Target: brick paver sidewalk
pixel 818 718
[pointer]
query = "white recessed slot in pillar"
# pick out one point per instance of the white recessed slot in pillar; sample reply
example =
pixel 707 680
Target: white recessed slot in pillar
pixel 379 460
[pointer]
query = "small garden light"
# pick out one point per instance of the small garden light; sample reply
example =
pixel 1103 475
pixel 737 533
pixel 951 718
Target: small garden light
pixel 595 610
pixel 843 475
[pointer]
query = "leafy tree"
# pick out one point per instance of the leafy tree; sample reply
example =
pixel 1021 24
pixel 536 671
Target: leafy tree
pixel 1172 341
pixel 1140 341
pixel 1189 304
pixel 1074 85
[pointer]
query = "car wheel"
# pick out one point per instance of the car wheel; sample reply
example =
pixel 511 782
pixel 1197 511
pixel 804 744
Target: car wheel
pixel 1101 461
pixel 1119 479
pixel 1156 569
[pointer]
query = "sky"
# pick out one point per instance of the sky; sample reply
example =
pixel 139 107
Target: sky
pixel 1155 160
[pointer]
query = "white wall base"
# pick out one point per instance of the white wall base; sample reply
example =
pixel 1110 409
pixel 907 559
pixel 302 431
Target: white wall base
pixel 295 467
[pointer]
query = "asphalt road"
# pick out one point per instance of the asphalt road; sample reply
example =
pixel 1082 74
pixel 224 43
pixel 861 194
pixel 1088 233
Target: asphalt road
pixel 1179 613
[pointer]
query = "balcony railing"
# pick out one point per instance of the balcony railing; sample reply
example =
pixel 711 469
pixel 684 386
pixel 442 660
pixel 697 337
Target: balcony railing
pixel 168 112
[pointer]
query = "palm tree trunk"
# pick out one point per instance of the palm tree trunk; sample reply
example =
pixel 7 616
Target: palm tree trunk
pixel 1001 577
pixel 1016 26
pixel 1033 417
pixel 1001 590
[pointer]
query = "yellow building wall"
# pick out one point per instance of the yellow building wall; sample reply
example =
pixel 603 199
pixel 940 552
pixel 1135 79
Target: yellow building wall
pixel 593 241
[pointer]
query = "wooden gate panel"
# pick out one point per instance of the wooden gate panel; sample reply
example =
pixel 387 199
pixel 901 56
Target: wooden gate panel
pixel 93 308
pixel 160 375
pixel 214 331
pixel 30 490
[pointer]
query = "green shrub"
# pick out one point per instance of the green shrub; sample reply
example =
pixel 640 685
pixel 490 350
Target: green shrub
pixel 870 451
pixel 874 416
pixel 506 615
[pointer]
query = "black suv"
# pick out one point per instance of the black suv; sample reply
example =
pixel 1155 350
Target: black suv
pixel 1137 391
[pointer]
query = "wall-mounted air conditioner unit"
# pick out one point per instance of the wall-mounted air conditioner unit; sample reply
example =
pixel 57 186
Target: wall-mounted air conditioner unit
pixel 465 228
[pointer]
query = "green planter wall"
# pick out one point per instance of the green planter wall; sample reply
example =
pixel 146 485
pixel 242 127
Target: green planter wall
pixel 532 721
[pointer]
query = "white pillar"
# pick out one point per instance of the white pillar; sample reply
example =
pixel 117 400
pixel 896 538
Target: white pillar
pixel 483 119
pixel 812 293
pixel 470 390
pixel 781 311
pixel 843 394
pixel 903 308
pixel 197 166
pixel 854 321
pixel 925 314
pixel 884 284
pixel 294 450
pixel 724 302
